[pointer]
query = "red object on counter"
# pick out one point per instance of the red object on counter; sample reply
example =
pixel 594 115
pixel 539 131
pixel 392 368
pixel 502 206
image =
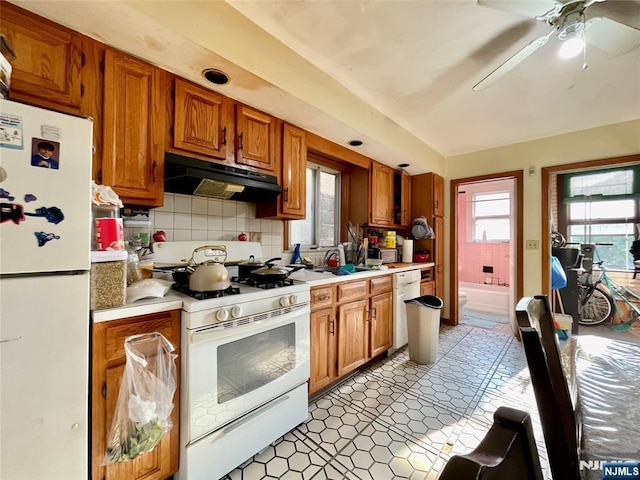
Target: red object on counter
pixel 420 257
pixel 242 237
pixel 109 234
pixel 332 262
pixel 159 236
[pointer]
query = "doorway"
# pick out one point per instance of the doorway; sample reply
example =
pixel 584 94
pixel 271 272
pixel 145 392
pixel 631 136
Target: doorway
pixel 486 250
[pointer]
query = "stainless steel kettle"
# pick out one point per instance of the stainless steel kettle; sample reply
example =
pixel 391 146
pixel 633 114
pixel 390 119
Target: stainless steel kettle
pixel 209 274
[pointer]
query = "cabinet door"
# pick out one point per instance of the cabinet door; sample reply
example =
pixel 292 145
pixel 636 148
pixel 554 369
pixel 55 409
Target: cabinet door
pixel 322 335
pixel 256 133
pixel 133 111
pixel 154 465
pixel 427 288
pixel 200 121
pixel 381 323
pixel 107 367
pixel 294 171
pixel 381 194
pixel 405 207
pixel 353 336
pixel 438 195
pixel 47 70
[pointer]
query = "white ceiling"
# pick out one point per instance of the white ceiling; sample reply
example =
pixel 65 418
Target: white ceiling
pixel 398 74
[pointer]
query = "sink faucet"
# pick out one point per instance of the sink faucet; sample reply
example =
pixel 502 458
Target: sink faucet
pixel 332 252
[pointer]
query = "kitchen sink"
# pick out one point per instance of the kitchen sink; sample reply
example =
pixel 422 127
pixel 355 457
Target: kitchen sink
pixel 335 269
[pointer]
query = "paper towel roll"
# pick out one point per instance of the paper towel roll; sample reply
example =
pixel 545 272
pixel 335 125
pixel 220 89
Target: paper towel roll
pixel 407 251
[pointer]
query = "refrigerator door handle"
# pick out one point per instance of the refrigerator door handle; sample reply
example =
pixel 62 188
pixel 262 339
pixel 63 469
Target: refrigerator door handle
pixel 10 340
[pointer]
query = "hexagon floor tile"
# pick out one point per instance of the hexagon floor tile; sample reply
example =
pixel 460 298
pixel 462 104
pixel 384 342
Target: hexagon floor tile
pixel 400 419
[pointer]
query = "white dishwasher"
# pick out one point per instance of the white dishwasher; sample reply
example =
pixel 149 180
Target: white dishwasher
pixel 406 285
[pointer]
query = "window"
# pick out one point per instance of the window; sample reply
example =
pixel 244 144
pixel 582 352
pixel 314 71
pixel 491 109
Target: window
pixel 321 227
pixel 602 207
pixel 490 217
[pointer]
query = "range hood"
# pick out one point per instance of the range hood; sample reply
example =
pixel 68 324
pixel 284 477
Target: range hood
pixel 198 177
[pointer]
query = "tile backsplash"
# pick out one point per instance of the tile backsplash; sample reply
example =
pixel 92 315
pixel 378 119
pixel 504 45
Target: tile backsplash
pixel 186 217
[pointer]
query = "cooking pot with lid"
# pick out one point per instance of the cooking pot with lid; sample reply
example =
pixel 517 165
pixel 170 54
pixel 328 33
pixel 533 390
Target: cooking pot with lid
pixel 245 268
pixel 209 274
pixel 272 272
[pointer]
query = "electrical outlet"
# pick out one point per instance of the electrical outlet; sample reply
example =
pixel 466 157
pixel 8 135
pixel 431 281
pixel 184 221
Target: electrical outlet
pixel 532 245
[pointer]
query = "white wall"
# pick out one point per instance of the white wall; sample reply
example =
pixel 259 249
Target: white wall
pixel 598 143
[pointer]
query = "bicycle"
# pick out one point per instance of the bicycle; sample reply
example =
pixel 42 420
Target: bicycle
pixel 598 305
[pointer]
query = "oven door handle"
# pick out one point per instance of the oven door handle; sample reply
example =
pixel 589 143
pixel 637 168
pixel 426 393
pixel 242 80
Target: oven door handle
pixel 224 335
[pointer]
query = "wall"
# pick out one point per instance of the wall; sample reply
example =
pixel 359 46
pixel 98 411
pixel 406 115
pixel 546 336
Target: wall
pixel 605 142
pixel 472 256
pixel 185 217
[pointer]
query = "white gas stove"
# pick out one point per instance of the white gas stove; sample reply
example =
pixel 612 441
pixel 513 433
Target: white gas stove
pixel 244 367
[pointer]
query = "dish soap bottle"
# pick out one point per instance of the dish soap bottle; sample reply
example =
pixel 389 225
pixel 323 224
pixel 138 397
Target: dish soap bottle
pixel 295 258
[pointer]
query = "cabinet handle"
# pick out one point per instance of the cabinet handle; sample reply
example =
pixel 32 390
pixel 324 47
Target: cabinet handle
pixel 368 315
pixel 240 142
pixel 224 136
pixel 332 331
pixel 154 177
pixel 322 299
pixel 375 313
pixel 286 194
pixel 104 390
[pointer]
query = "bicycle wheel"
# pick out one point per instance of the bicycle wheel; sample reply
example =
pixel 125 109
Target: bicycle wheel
pixel 598 309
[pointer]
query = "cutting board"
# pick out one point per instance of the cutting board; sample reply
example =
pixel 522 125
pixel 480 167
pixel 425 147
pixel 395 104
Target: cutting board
pixel 397 265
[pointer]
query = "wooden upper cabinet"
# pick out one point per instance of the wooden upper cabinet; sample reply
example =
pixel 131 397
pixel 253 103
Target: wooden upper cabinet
pixel 49 60
pixel 294 171
pixel 405 205
pixel 201 120
pixel 381 194
pixel 438 195
pixel 133 157
pixel 291 204
pixel 255 138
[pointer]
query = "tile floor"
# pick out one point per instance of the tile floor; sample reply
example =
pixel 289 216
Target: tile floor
pixel 398 419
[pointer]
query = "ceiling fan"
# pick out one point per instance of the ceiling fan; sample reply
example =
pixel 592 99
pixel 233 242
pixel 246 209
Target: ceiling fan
pixel 567 19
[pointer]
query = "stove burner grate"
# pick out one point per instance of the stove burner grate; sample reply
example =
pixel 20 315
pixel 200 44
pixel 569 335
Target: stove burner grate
pixel 252 282
pixel 205 295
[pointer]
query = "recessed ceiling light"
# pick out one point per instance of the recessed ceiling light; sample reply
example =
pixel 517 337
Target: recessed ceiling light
pixel 355 143
pixel 403 165
pixel 215 76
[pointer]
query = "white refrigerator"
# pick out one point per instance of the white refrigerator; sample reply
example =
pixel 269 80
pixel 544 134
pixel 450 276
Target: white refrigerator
pixel 45 240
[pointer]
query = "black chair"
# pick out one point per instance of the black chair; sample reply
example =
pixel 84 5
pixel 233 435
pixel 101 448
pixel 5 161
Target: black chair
pixel 508 451
pixel 635 251
pixel 557 399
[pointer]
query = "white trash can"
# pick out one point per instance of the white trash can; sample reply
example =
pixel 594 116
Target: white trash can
pixel 423 327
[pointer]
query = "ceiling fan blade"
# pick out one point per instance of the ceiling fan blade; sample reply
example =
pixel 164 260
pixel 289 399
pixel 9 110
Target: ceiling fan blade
pixel 528 8
pixel 613 37
pixel 512 62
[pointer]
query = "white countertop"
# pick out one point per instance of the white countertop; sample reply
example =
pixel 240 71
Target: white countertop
pixel 173 300
pixel 315 279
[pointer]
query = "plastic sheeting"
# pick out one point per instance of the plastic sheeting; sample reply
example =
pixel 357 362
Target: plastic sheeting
pixel 608 374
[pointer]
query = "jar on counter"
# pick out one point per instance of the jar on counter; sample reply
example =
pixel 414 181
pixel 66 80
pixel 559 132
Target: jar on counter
pixel 134 274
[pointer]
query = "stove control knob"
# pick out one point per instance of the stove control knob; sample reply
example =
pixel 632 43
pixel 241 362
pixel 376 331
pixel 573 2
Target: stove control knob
pixel 236 311
pixel 284 301
pixel 293 299
pixel 222 315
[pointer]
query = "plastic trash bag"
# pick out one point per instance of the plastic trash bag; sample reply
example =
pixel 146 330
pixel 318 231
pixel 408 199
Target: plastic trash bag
pixel 558 277
pixel 145 400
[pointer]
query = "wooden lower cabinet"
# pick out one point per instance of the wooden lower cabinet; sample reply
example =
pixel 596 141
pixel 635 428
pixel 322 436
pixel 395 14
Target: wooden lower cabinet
pixel 107 367
pixel 351 322
pixel 353 335
pixel 323 328
pixel 427 288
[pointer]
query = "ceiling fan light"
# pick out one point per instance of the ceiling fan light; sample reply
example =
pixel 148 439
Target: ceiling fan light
pixel 572 47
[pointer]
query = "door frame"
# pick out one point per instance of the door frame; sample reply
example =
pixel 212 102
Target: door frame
pixel 518 176
pixel 546 173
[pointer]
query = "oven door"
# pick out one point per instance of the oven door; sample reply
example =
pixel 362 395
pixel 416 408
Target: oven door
pixel 233 369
